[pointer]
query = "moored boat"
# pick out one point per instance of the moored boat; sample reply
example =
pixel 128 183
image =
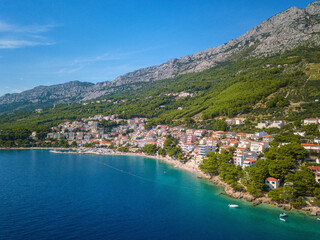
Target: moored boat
pixel 233 205
pixel 282 219
pixel 283 215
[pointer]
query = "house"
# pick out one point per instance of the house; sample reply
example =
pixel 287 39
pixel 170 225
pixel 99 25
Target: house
pixel 272 183
pixel 191 138
pixel 187 147
pixel 241 136
pixel 261 134
pixel 249 162
pixel 200 132
pixel 212 141
pixel 190 131
pixel 230 121
pixel 240 158
pixel 234 143
pixel 316 171
pixel 311 147
pixel 38 110
pixel 316 140
pixel 277 124
pixel 268 138
pixel 258 146
pixel 225 147
pixel 240 150
pixel 238 121
pixel 231 135
pixel 310 121
pixel 300 133
pixel 205 149
pixel 219 134
pixel 263 124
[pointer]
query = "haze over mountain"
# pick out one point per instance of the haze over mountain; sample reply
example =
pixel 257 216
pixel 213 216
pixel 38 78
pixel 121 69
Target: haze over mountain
pixel 285 31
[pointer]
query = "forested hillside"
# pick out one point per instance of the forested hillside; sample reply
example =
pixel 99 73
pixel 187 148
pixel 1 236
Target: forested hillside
pixel 285 86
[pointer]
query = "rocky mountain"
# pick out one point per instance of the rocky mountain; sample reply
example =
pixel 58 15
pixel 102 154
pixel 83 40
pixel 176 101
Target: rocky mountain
pixel 287 30
pixel 38 96
pixel 284 31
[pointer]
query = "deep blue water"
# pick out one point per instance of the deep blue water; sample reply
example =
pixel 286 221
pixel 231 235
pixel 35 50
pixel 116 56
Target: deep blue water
pixel 66 196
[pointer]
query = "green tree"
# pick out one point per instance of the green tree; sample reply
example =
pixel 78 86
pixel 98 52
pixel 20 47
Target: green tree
pixel 211 164
pixel 150 149
pixel 257 175
pixel 284 194
pixel 162 152
pixel 303 181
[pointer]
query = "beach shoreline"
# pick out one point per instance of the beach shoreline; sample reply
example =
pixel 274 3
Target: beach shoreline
pixel 216 180
pixel 175 163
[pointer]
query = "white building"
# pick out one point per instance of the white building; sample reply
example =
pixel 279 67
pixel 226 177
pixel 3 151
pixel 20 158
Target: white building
pixel 263 124
pixel 205 149
pixel 261 134
pixel 200 132
pixel 311 147
pixel 258 146
pixel 268 138
pixel 249 162
pixel 277 124
pixel 316 140
pixel 310 121
pixel 300 133
pixel 272 183
pixel 187 147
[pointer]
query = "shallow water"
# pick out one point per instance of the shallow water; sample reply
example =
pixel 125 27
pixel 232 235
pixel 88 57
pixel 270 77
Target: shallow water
pixel 68 196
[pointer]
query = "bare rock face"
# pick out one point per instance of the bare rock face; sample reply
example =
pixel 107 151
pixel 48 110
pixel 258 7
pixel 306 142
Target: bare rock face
pixel 313 8
pixel 287 30
pixel 238 195
pixel 284 31
pixel 66 91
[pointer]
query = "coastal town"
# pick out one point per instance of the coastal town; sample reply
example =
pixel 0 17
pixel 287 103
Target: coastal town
pixel 108 134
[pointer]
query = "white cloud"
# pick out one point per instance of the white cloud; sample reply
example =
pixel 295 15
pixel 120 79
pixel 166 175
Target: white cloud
pixel 11 28
pixel 11 44
pixel 16 36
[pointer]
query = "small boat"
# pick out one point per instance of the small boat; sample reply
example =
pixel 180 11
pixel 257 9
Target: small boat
pixel 164 172
pixel 233 205
pixel 282 219
pixel 318 219
pixel 283 215
pixel 199 177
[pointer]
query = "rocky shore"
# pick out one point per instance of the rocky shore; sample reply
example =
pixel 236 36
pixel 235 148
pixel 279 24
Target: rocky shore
pixel 229 191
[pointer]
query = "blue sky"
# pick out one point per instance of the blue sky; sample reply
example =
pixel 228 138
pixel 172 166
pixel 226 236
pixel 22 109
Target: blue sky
pixel 46 42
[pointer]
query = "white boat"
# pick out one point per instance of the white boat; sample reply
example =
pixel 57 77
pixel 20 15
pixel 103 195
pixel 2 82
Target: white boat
pixel 233 205
pixel 282 219
pixel 283 215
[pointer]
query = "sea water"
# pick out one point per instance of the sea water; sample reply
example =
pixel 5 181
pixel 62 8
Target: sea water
pixel 68 196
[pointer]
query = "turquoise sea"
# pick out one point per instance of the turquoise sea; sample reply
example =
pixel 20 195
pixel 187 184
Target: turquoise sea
pixel 68 196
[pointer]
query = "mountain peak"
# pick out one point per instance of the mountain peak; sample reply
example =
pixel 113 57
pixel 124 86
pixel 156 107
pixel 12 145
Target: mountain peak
pixel 313 8
pixel 287 30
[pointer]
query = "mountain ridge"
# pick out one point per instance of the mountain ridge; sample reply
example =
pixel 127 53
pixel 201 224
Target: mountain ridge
pixel 284 31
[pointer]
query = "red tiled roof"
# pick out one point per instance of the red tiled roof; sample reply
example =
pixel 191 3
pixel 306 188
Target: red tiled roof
pixel 272 179
pixel 314 168
pixel 267 136
pixel 310 144
pixel 251 159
